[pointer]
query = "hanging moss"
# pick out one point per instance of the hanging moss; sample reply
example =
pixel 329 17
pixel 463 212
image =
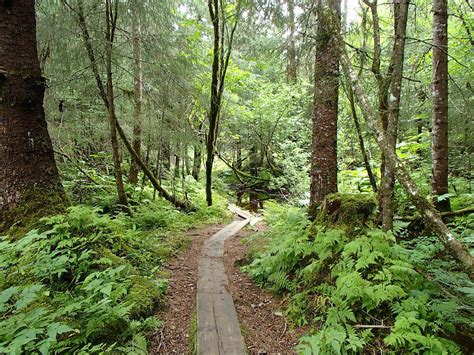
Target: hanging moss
pixel 34 203
pixel 349 211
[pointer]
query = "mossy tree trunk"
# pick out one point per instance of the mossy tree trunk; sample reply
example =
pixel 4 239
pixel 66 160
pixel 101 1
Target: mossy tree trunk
pixel 197 161
pixel 30 186
pixel 223 38
pixel 326 99
pixel 389 88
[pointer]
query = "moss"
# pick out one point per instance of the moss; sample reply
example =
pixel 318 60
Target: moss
pixel 144 294
pixel 34 204
pixel 106 253
pixel 347 211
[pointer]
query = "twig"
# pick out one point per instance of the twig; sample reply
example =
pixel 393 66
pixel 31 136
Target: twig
pixel 284 330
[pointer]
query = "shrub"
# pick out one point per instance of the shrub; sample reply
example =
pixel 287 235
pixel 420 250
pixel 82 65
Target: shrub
pixel 358 289
pixel 82 282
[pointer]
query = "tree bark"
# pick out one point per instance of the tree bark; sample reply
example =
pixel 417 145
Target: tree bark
pixel 215 103
pixel 138 90
pixel 391 130
pixel 389 86
pixel 382 85
pixel 429 213
pixel 439 184
pixel 253 170
pixel 30 186
pixel 220 63
pixel 326 97
pixel 110 34
pixel 197 162
pixel 177 160
pixel 187 163
pixel 291 47
pixel 368 168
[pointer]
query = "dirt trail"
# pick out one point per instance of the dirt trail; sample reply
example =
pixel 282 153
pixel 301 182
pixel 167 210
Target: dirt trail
pixel 174 335
pixel 264 328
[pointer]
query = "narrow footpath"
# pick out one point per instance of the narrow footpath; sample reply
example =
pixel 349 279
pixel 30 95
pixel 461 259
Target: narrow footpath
pixel 218 329
pixel 202 317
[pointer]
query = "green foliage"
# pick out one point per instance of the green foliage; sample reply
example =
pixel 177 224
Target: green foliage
pixel 338 281
pixel 348 211
pixel 86 282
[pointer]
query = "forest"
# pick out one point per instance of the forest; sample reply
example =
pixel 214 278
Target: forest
pixel 236 177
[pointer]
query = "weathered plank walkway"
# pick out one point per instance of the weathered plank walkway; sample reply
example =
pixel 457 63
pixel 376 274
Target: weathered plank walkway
pixel 218 329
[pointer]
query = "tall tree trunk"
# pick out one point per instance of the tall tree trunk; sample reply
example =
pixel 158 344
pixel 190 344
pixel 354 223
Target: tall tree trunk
pixel 215 103
pixel 138 90
pixel 197 161
pixel 382 83
pixel 110 33
pixel 253 169
pixel 368 168
pixel 326 97
pixel 439 184
pixel 431 216
pixel 220 63
pixel 391 130
pixel 291 70
pixel 166 155
pixel 106 96
pixel 177 160
pixel 187 163
pixel 389 86
pixel 238 166
pixel 30 186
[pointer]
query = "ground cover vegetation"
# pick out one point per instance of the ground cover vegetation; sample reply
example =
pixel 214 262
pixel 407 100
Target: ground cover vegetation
pixel 124 124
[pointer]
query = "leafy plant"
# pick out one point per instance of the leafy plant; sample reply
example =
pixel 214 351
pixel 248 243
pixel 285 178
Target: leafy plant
pixel 360 291
pixel 85 282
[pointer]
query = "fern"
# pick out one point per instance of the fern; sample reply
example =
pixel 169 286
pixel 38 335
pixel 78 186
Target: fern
pixel 82 282
pixel 339 280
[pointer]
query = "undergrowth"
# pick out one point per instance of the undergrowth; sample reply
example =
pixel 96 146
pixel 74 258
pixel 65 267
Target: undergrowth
pixel 89 280
pixel 363 291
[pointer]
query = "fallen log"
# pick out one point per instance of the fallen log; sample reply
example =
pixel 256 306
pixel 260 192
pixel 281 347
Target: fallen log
pixel 182 205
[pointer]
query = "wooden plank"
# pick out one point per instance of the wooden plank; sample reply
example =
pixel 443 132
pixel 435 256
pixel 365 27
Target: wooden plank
pixel 218 329
pixel 211 276
pixel 228 327
pixel 214 246
pixel 207 337
pixel 239 212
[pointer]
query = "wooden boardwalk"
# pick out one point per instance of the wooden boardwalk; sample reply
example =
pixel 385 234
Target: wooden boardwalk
pixel 218 329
